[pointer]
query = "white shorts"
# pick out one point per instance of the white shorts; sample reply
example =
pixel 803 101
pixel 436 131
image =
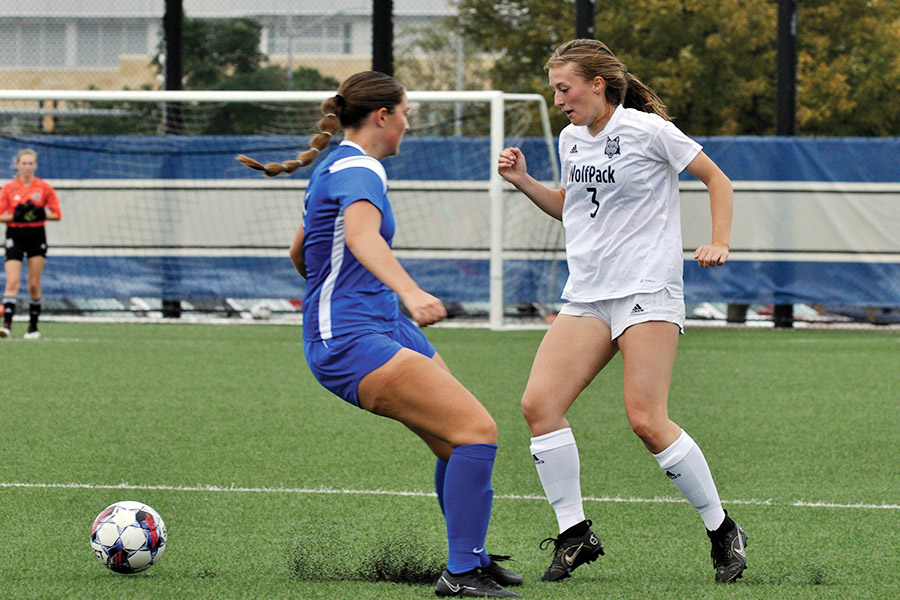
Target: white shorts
pixel 621 313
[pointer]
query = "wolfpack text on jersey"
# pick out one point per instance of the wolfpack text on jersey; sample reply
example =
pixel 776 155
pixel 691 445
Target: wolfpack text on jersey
pixel 589 173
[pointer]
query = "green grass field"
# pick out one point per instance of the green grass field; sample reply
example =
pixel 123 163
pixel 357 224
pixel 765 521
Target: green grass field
pixel 271 488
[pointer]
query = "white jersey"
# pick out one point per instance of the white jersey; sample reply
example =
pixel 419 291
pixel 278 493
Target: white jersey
pixel 621 214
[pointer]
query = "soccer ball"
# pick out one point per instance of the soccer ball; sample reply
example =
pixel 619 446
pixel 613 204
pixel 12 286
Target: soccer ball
pixel 261 311
pixel 128 537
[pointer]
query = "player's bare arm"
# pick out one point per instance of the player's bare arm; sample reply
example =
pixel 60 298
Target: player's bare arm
pixel 296 252
pixel 362 222
pixel 512 167
pixel 721 203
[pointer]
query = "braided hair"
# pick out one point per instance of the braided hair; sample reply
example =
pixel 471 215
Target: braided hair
pixel 359 96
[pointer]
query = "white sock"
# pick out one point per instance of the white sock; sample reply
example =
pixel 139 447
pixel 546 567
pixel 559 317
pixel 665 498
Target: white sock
pixel 686 466
pixel 556 459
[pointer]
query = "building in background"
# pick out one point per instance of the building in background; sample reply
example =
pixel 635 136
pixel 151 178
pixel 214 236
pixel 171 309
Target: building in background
pixel 78 44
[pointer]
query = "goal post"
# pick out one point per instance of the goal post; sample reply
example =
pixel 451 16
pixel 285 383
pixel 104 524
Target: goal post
pixel 176 201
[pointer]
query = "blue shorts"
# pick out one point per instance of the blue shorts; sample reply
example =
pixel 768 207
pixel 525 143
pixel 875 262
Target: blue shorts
pixel 340 363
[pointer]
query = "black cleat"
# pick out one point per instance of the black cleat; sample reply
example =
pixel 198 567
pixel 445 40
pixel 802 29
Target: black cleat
pixel 570 552
pixel 501 575
pixel 472 584
pixel 729 554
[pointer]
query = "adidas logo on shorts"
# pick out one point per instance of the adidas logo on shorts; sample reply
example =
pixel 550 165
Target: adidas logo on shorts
pixel 637 309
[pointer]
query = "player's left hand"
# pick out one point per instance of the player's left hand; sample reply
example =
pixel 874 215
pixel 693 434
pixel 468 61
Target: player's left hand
pixel 713 255
pixel 36 214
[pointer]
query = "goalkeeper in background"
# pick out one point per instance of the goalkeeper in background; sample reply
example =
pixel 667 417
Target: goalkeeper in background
pixel 26 203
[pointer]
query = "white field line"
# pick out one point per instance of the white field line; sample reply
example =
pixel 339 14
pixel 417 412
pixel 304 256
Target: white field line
pixel 336 491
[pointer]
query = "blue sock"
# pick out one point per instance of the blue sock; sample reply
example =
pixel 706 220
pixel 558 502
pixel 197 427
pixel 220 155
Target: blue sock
pixel 468 497
pixel 440 469
pixel 484 559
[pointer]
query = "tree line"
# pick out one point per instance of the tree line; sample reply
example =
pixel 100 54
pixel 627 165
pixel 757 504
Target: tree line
pixel 713 62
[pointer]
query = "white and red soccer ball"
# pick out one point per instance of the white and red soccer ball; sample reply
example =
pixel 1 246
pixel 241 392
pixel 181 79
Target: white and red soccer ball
pixel 261 311
pixel 128 537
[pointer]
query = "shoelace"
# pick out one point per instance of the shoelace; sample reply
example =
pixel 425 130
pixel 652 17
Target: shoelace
pixel 499 557
pixel 556 543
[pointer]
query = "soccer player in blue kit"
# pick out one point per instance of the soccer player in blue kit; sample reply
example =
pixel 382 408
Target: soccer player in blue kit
pixel 619 204
pixel 362 348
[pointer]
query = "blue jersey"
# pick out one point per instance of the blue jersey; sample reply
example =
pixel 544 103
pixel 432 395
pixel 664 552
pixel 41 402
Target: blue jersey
pixel 342 296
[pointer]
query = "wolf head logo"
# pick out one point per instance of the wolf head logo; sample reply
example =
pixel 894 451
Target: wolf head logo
pixel 612 146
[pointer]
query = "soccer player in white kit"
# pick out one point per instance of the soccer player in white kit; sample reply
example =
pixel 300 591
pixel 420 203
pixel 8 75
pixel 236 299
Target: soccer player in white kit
pixel 619 205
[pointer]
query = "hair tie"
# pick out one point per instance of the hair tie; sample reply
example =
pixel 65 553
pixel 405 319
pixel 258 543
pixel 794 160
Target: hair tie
pixel 328 133
pixel 340 100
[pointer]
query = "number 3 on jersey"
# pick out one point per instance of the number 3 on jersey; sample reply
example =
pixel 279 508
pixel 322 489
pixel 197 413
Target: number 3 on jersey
pixel 594 201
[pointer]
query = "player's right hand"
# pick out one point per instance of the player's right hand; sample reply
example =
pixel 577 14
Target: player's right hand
pixel 21 211
pixel 424 308
pixel 511 164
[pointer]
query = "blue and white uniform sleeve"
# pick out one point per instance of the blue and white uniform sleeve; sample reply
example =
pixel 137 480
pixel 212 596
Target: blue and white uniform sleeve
pixel 359 178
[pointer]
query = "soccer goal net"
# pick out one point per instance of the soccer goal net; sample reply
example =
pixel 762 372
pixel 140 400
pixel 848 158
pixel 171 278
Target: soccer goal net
pixel 156 210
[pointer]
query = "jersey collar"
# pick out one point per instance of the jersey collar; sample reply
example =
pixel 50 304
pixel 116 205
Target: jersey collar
pixel 354 145
pixel 609 124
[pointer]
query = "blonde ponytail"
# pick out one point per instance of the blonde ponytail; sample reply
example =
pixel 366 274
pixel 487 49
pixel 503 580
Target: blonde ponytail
pixel 638 95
